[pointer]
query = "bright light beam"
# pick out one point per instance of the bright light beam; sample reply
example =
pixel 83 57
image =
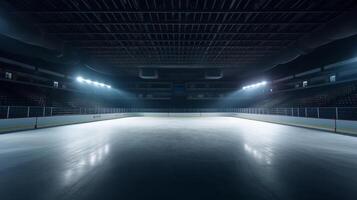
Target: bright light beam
pixel 263 83
pixel 80 79
pixel 95 83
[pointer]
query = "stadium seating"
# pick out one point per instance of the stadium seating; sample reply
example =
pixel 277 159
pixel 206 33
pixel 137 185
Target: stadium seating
pixel 341 95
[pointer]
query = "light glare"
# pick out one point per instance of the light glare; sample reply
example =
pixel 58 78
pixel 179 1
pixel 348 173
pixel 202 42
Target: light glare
pixel 255 85
pixel 95 83
pixel 80 79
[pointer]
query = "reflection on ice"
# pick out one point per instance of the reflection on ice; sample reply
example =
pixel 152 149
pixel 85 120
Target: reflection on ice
pixel 262 156
pixel 106 148
pixel 93 158
pixel 85 163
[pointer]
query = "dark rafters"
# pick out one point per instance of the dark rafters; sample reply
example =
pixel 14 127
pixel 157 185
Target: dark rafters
pixel 130 33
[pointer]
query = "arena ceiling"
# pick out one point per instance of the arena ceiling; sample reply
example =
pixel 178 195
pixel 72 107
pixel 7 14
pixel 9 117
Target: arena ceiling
pixel 240 35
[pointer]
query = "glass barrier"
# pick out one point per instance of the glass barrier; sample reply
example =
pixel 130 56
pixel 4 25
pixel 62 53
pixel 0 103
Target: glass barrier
pixel 342 113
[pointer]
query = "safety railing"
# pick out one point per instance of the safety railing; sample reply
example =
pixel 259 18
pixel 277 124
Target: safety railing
pixel 344 113
pixel 35 111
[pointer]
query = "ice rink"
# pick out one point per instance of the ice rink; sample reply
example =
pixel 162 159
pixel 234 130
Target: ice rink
pixel 177 158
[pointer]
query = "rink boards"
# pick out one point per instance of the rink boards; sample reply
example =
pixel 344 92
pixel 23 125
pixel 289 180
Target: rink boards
pixel 339 126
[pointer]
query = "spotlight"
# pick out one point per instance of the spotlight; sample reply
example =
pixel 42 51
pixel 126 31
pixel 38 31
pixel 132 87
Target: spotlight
pixel 263 83
pixel 90 82
pixel 80 79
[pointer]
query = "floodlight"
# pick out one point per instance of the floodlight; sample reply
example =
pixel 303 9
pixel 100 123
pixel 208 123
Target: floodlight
pixel 80 79
pixel 255 85
pixel 95 83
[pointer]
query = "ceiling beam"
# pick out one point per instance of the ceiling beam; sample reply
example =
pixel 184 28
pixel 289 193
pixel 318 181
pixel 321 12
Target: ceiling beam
pixel 176 33
pixel 46 12
pixel 169 46
pixel 190 47
pixel 175 23
pixel 176 40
